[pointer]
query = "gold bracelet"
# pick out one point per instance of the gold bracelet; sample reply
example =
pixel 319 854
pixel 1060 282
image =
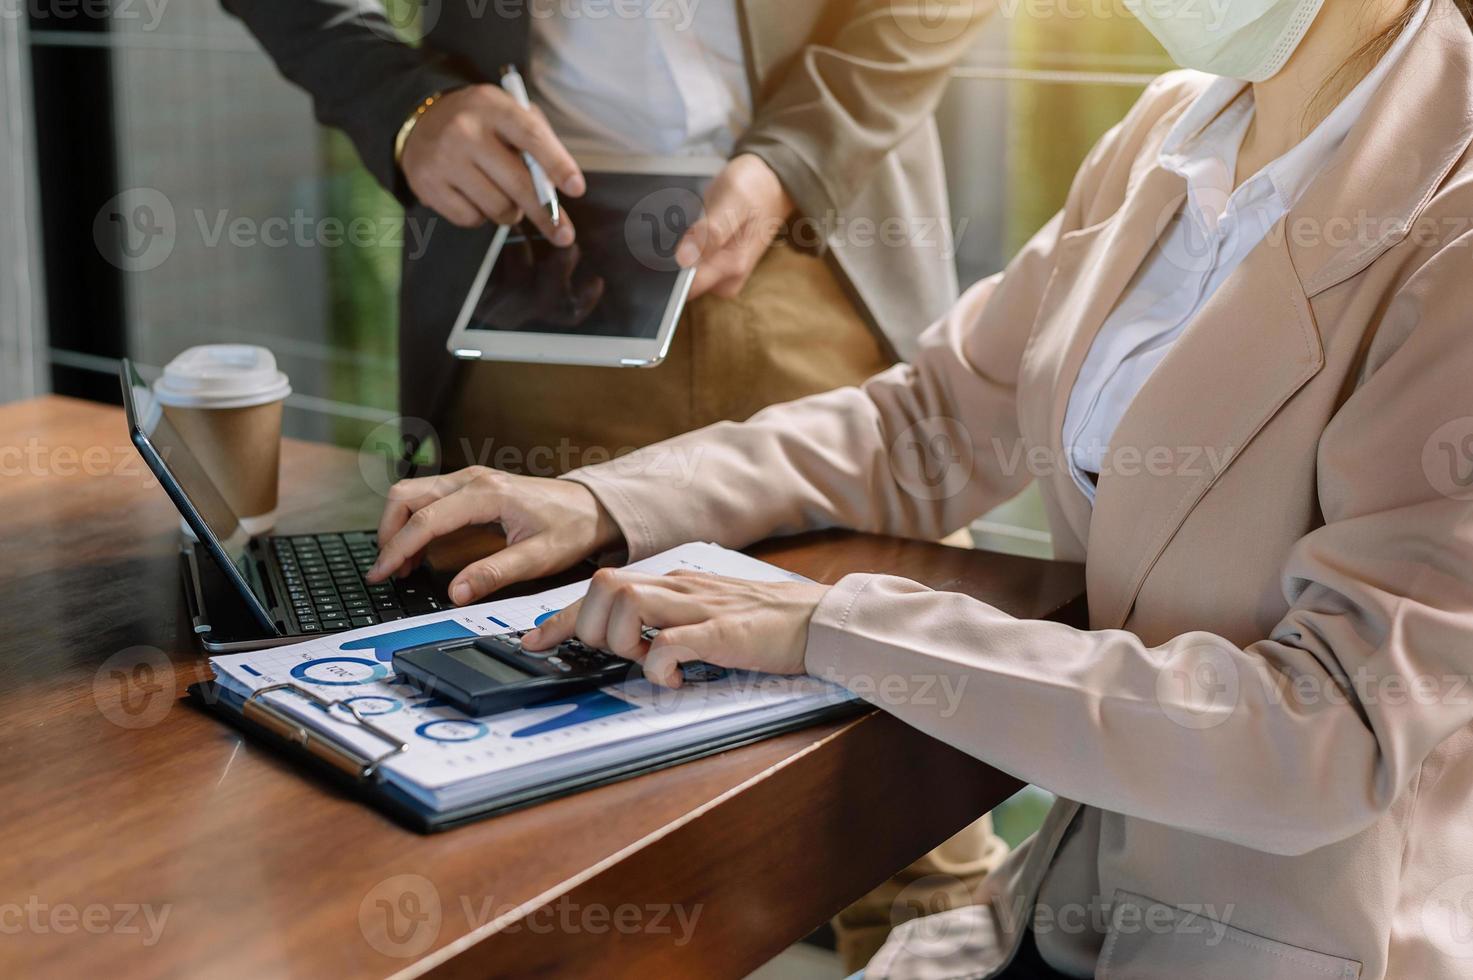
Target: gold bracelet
pixel 409 125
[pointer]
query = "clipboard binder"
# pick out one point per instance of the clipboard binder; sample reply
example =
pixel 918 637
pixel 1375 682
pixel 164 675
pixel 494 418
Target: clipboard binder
pixel 356 775
pixel 324 747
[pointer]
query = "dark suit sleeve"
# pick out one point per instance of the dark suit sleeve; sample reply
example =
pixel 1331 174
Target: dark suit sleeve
pixel 362 77
pixel 844 104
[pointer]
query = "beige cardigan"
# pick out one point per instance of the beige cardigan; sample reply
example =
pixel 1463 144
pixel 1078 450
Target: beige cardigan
pixel 1269 726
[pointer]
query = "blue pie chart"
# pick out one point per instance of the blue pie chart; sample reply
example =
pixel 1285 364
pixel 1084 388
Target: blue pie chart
pixel 451 730
pixel 369 705
pixel 340 671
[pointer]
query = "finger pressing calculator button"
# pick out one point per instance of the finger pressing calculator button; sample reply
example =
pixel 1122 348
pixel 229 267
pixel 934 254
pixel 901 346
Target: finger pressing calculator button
pixel 539 654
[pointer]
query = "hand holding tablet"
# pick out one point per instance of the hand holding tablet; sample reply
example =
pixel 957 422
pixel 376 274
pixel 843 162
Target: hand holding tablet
pixel 612 299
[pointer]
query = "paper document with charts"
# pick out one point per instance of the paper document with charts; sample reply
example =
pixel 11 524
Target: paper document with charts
pixel 446 763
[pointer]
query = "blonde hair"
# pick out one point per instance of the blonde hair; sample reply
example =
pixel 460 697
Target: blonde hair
pixel 1363 58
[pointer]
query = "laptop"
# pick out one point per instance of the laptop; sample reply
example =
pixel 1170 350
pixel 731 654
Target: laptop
pixel 247 593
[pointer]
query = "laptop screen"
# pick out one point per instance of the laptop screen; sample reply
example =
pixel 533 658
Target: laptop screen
pixel 182 468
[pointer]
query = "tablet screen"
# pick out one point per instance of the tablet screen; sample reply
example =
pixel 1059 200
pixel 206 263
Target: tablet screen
pixel 616 280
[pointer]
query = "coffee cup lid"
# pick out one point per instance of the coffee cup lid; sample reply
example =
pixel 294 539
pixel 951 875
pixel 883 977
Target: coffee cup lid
pixel 222 376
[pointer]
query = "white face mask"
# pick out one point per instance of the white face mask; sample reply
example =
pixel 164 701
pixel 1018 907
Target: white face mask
pixel 1247 39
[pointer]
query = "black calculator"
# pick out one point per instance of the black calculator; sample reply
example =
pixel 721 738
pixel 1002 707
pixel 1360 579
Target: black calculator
pixel 491 674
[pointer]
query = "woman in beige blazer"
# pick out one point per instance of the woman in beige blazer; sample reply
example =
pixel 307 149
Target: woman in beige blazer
pixel 1263 746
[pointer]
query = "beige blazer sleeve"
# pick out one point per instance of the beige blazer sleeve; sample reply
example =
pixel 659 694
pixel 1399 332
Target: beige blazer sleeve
pixel 880 457
pixel 1323 723
pixel 851 97
pixel 852 457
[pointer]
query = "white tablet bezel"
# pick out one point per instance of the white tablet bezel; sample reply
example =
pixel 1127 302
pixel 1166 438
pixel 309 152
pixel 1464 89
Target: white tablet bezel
pixel 551 348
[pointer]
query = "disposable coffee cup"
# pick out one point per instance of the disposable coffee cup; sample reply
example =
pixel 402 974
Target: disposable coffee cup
pixel 225 401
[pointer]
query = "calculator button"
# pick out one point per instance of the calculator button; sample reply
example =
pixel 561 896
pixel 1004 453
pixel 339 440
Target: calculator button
pixel 699 672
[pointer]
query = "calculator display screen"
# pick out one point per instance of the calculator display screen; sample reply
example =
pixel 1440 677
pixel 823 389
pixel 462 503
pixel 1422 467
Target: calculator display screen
pixel 503 673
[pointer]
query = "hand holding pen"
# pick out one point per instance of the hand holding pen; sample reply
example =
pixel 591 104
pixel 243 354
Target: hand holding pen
pixel 468 158
pixel 511 83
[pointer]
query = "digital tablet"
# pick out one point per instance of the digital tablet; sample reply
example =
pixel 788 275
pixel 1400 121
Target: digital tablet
pixel 612 298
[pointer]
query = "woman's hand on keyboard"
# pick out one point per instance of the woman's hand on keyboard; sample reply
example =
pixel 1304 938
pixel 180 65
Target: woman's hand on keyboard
pixel 549 525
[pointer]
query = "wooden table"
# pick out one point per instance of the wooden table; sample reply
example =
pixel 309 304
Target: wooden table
pixel 142 838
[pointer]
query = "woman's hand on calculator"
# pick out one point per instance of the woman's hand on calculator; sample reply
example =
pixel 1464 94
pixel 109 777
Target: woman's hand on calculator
pixel 549 525
pixel 727 622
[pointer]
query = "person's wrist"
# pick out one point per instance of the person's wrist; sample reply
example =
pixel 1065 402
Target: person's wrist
pixel 607 535
pixel 401 140
pixel 779 202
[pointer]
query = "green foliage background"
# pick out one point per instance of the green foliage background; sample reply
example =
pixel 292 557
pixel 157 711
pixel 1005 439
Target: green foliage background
pixel 1053 125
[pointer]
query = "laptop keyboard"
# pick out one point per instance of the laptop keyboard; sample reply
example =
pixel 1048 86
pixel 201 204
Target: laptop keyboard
pixel 324 582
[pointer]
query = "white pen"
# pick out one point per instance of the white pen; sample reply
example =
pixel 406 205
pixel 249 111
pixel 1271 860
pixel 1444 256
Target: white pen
pixel 511 83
